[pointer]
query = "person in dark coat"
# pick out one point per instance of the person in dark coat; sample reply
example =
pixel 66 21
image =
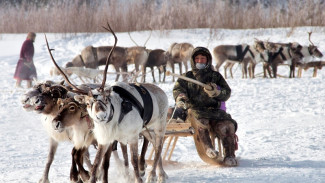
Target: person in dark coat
pixel 25 69
pixel 207 106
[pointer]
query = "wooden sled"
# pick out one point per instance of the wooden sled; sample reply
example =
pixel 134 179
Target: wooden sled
pixel 176 130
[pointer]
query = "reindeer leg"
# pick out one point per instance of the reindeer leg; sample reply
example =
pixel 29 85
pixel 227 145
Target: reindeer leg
pixel 79 160
pixel 106 162
pixel 185 64
pixel 153 74
pixel 315 72
pixel 158 145
pixel 142 161
pixel 230 70
pixel 225 70
pixel 125 154
pixel 143 78
pixel 87 160
pixel 173 70
pixel 50 158
pixel 180 68
pixel 134 161
pixel 159 71
pixel 275 69
pixel 164 69
pixel 99 156
pixel 117 69
pixel 124 68
pixel 73 169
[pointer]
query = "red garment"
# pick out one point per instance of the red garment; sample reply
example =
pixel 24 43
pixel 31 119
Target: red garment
pixel 25 69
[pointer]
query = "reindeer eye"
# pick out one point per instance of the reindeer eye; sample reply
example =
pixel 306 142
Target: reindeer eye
pixel 72 108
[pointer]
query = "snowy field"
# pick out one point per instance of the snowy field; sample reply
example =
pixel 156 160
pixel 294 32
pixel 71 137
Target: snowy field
pixel 280 121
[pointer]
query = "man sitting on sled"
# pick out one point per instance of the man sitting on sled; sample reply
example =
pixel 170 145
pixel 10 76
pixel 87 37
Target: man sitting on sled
pixel 207 105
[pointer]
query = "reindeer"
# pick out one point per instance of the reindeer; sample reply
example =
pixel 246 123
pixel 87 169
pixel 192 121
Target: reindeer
pixel 179 53
pixel 121 112
pixel 137 55
pixel 157 58
pixel 74 117
pixel 309 53
pixel 291 54
pixel 243 54
pixel 316 65
pixel 93 57
pixel 43 99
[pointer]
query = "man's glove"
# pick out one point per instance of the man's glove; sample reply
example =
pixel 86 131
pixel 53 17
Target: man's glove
pixel 214 92
pixel 181 101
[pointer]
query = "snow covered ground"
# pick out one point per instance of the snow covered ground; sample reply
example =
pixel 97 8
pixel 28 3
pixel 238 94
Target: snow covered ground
pixel 280 121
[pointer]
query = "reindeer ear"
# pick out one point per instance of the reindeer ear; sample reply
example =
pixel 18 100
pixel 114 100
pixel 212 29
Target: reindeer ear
pixel 80 99
pixel 62 82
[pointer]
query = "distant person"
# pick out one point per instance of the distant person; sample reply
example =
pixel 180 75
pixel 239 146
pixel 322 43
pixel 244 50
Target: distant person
pixel 208 105
pixel 25 69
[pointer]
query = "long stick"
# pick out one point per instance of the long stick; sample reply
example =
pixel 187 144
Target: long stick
pixel 208 87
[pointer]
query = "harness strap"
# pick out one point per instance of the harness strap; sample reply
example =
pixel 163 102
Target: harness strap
pixel 146 111
pixel 240 52
pixel 147 102
pixel 289 53
pixel 82 60
pixel 310 51
pixel 250 51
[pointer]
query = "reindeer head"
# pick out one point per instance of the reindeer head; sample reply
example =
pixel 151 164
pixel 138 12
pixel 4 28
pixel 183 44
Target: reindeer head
pixel 29 98
pixel 312 49
pixel 99 105
pixel 70 113
pixel 46 101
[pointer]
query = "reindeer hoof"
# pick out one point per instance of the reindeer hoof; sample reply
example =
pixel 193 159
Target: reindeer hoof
pixel 151 178
pixel 142 170
pixel 211 153
pixel 230 161
pixel 162 178
pixel 43 181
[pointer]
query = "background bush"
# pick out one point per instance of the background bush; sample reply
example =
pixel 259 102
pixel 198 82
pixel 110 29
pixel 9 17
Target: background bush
pixel 66 16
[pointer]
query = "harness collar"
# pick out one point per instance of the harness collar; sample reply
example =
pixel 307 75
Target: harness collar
pixel 111 113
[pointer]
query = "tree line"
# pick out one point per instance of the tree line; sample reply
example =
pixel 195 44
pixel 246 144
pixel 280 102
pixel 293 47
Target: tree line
pixel 62 16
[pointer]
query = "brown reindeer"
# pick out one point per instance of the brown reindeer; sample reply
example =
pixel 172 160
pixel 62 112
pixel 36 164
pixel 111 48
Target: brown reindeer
pixel 137 55
pixel 179 53
pixel 305 66
pixel 157 58
pixel 93 57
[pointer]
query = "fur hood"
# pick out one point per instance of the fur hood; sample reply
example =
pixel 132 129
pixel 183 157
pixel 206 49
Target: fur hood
pixel 204 51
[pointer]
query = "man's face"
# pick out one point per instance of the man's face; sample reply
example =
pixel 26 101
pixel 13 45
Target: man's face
pixel 201 59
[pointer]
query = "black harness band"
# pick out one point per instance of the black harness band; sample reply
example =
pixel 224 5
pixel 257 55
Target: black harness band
pixel 147 103
pixel 128 100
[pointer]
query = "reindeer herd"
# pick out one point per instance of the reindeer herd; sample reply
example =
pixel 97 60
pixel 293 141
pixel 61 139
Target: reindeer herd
pixel 104 115
pixel 269 54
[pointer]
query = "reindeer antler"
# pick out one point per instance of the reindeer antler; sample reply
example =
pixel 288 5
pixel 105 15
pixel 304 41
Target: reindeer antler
pixel 309 35
pixel 144 45
pixel 109 29
pixel 148 38
pixel 77 90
